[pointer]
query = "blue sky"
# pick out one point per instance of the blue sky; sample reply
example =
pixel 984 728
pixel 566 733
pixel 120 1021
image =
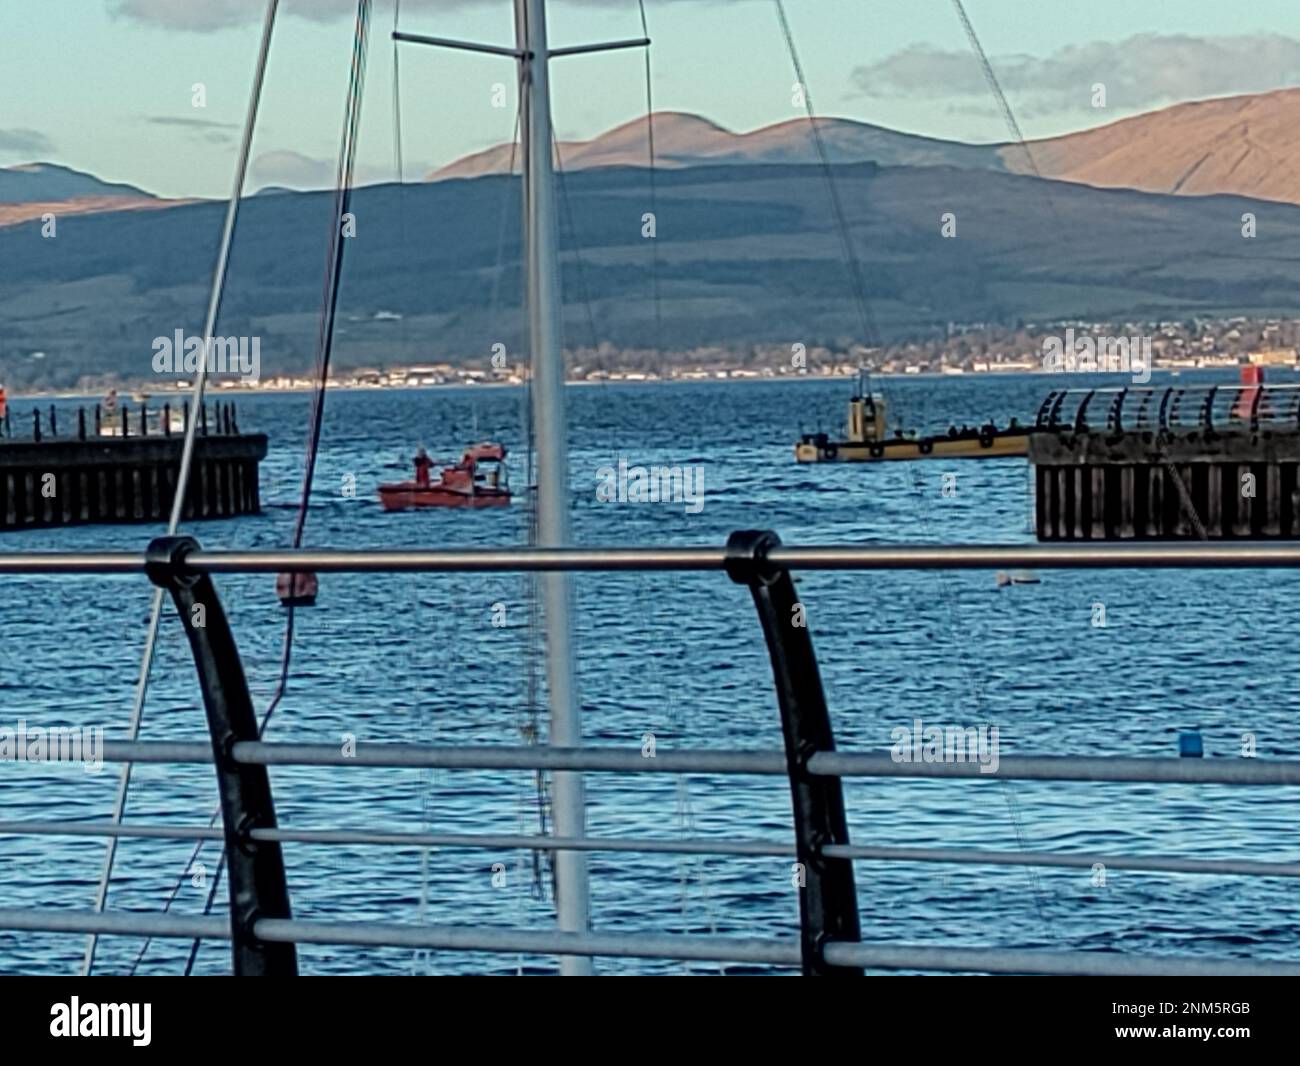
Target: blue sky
pixel 106 85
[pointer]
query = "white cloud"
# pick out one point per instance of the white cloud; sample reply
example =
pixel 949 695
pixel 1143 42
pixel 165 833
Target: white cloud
pixel 204 15
pixel 26 143
pixel 1140 71
pixel 294 170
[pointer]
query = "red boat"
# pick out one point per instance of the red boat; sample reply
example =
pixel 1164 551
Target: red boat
pixel 478 480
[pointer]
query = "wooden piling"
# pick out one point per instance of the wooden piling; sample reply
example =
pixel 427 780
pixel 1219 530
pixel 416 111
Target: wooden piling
pixel 1171 485
pixel 126 478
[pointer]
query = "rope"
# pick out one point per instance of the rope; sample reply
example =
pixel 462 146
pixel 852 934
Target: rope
pixel 186 463
pixel 397 99
pixel 399 164
pixel 334 268
pixel 1008 792
pixel 1008 115
pixel 678 726
pixel 577 247
pixel 333 273
pixel 867 321
pixel 325 348
pixel 946 596
pixel 654 197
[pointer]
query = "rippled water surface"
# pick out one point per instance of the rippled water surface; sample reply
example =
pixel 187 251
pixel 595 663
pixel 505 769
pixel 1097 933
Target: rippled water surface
pixel 397 658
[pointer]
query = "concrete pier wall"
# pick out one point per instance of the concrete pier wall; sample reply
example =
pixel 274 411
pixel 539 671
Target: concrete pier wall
pixel 85 478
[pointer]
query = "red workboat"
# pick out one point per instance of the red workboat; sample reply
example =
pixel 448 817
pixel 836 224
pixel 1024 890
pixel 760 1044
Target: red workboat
pixel 478 480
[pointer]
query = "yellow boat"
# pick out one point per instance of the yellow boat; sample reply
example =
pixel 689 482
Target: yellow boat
pixel 867 439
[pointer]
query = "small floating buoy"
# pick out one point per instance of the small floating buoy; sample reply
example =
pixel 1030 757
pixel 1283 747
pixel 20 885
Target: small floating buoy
pixel 297 590
pixel 1190 745
pixel 1017 577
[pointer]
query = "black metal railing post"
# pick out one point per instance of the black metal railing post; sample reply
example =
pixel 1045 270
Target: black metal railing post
pixel 258 888
pixel 828 902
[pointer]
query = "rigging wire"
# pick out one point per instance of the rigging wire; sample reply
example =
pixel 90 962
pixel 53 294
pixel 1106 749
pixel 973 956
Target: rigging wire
pixel 678 724
pixel 333 273
pixel 324 351
pixel 427 725
pixel 397 99
pixel 947 596
pixel 654 194
pixel 1045 187
pixel 528 724
pixel 870 333
pixel 1008 116
pixel 399 162
pixel 186 461
pixel 577 246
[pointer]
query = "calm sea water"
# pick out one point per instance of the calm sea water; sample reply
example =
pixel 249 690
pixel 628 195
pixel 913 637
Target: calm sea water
pixel 398 658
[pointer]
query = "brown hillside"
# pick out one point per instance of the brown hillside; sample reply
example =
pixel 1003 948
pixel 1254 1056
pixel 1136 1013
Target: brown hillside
pixel 1247 145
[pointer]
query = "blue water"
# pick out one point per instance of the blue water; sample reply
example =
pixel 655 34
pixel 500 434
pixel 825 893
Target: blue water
pixel 395 658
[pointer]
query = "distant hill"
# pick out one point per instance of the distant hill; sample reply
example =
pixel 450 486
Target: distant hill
pixel 1243 145
pixel 1248 145
pixel 49 182
pixel 31 190
pixel 747 254
pixel 683 140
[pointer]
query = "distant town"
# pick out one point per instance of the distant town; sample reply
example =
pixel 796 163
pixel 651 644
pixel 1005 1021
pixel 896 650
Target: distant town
pixel 978 348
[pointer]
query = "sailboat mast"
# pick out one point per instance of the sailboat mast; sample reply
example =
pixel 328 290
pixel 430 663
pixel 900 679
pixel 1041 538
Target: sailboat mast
pixel 568 803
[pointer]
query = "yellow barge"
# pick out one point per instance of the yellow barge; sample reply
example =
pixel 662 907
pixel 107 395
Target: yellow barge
pixel 868 441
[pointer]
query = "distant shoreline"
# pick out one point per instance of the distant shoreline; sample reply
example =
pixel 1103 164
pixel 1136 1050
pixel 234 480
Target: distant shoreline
pixel 925 375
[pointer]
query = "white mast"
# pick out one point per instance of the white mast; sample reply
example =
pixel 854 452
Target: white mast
pixel 542 270
pixel 568 802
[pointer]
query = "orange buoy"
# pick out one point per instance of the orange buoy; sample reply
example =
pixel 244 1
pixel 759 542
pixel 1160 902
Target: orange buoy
pixel 297 589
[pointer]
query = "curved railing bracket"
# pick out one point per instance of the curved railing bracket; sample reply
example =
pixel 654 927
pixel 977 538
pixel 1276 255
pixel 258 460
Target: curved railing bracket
pixel 256 878
pixel 828 902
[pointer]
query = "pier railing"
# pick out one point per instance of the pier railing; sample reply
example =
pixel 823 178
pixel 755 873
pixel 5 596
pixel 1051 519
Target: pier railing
pixel 263 932
pixel 1154 409
pixel 120 420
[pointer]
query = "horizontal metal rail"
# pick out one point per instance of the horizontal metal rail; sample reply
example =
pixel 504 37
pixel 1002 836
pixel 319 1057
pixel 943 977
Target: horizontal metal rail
pixel 633 945
pixel 507 841
pixel 1069 768
pixel 445 938
pixel 1171 864
pixel 525 757
pixel 1062 963
pixel 1199 555
pixel 694 846
pixel 453 938
pixel 477 757
pixel 617 760
pixel 97 829
pixel 113 923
